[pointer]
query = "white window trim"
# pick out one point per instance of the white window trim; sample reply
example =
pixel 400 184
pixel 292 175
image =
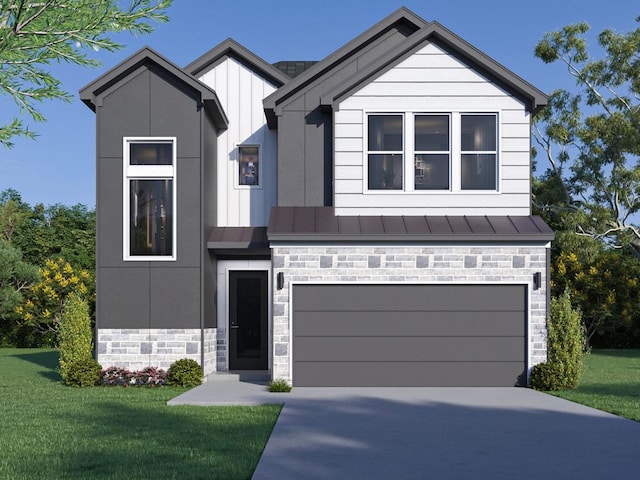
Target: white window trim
pixel 236 167
pixel 147 172
pixel 455 181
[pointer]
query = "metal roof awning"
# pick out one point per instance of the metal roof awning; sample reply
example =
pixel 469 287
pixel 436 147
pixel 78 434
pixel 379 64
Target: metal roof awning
pixel 321 224
pixel 237 238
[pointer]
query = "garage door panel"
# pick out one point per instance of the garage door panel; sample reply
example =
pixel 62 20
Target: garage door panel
pixel 410 349
pixel 409 335
pixel 453 323
pixel 408 374
pixel 399 297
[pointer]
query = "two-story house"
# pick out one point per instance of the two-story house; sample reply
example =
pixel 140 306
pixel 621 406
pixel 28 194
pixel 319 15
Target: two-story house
pixel 364 220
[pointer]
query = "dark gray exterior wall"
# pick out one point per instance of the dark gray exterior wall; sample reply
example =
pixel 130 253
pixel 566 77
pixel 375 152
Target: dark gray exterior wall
pixel 208 187
pixel 305 132
pixel 163 294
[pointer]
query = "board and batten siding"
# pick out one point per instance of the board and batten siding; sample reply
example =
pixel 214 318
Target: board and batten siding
pixel 241 91
pixel 432 81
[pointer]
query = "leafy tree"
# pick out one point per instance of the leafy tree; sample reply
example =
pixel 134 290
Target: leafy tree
pixel 606 287
pixel 16 276
pixel 45 303
pixel 41 232
pixel 13 213
pixel 35 34
pixel 591 138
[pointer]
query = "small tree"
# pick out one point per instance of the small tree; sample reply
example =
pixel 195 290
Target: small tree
pixel 565 344
pixel 45 302
pixel 77 365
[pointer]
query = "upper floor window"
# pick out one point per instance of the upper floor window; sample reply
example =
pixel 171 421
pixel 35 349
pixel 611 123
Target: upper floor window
pixel 385 152
pixel 149 203
pixel 432 149
pixel 444 151
pixel 478 152
pixel 248 165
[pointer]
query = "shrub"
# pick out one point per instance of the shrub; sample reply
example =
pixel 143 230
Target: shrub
pixel 185 373
pixel 76 339
pixel 279 385
pixel 83 373
pixel 149 376
pixel 565 348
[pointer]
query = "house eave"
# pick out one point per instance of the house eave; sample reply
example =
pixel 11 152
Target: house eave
pixel 434 32
pixel 91 93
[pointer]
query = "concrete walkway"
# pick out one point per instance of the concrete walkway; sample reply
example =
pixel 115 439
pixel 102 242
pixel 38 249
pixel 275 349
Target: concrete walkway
pixel 432 433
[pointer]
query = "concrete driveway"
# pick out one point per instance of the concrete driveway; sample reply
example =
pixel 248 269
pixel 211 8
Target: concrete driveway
pixel 433 433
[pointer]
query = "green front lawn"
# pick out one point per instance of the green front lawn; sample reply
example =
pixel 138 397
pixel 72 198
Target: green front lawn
pixel 610 382
pixel 50 431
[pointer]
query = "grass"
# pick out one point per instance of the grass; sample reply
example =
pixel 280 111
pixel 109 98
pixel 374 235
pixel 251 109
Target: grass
pixel 610 382
pixel 51 431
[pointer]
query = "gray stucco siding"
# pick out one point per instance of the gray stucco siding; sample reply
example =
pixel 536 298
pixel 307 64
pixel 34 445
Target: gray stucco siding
pixel 174 297
pixel 151 294
pixel 123 297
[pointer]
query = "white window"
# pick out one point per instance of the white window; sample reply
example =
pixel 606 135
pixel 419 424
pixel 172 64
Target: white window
pixel 149 198
pixel 432 147
pixel 385 147
pixel 249 166
pixel 443 151
pixel 478 152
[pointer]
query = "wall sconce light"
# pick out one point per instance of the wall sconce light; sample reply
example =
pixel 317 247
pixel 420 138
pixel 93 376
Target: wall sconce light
pixel 280 280
pixel 537 280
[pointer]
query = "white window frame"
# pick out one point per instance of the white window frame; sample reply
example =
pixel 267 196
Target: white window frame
pixel 147 172
pixel 403 151
pixel 415 151
pixel 480 152
pixel 455 162
pixel 236 167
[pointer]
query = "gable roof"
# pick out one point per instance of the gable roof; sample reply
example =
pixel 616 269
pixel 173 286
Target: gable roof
pixel 467 53
pixel 293 68
pixel 231 48
pixel 91 93
pixel 402 17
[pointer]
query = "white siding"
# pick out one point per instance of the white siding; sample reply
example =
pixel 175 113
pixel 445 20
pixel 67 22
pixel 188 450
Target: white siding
pixel 241 92
pixel 432 81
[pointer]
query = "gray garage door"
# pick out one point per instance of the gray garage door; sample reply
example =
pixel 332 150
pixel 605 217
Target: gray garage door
pixel 409 335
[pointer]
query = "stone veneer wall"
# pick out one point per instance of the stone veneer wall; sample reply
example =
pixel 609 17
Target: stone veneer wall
pixel 210 342
pixel 139 348
pixel 222 361
pixel 417 264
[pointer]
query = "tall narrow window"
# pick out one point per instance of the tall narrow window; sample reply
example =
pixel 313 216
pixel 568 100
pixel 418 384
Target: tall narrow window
pixel 478 152
pixel 432 152
pixel 149 199
pixel 385 156
pixel 249 165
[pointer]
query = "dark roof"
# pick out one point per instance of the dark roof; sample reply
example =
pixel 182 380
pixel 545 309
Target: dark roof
pixel 226 238
pixel 91 93
pixel 452 43
pixel 231 48
pixel 402 17
pixel 321 224
pixel 293 68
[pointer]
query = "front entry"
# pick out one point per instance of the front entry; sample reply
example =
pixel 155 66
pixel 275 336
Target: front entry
pixel 248 308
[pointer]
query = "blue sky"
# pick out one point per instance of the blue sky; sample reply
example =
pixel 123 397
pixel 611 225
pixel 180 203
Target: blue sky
pixel 59 167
